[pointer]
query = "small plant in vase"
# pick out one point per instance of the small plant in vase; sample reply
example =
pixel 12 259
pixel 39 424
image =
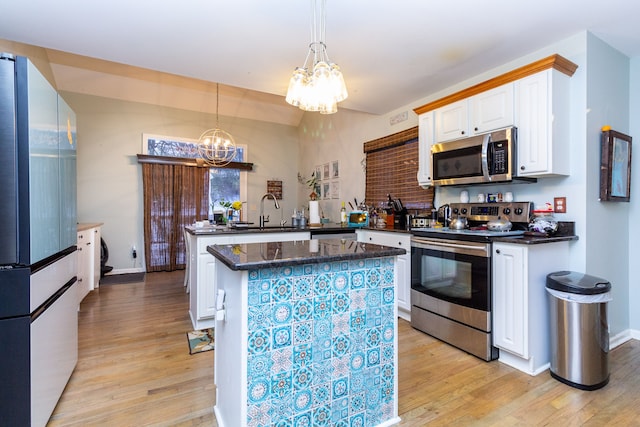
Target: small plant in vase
pixel 231 208
pixel 312 183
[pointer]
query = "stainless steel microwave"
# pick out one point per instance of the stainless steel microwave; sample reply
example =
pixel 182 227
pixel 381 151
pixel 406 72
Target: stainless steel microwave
pixel 486 158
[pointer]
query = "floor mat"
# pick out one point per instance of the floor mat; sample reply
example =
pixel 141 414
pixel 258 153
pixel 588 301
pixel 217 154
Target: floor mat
pixel 200 341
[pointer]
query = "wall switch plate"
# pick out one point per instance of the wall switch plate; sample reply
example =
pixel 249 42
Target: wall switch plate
pixel 560 204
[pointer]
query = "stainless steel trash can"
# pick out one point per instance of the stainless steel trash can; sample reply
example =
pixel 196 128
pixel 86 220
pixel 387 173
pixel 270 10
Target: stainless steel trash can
pixel 579 329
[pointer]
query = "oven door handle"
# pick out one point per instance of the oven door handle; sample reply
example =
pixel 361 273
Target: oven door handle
pixel 442 245
pixel 485 157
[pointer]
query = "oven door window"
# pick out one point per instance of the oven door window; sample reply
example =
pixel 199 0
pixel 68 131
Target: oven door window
pixel 459 279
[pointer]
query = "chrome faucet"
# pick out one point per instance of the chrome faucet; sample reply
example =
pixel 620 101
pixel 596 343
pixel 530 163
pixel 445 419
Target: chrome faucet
pixel 264 219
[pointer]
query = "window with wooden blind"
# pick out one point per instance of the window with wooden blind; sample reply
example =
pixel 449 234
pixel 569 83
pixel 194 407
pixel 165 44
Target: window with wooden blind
pixel 392 166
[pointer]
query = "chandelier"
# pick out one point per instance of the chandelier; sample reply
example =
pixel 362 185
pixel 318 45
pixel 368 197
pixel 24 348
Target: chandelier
pixel 320 87
pixel 216 146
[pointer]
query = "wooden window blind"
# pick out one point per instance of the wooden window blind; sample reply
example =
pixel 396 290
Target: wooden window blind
pixel 392 166
pixel 174 196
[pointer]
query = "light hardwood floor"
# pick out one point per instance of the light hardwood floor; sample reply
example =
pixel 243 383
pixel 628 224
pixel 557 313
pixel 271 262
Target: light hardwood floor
pixel 134 369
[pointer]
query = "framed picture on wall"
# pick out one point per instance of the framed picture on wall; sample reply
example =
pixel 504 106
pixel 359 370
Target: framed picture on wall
pixel 275 187
pixel 335 189
pixel 325 171
pixel 335 169
pixel 326 190
pixel 615 167
pixel 318 173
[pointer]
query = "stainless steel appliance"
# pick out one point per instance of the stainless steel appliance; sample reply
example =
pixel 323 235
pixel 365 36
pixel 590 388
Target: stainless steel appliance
pixel 38 290
pixel 487 158
pixel 451 276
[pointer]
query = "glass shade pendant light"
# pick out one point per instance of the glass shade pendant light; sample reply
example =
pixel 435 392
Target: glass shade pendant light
pixel 318 85
pixel 216 146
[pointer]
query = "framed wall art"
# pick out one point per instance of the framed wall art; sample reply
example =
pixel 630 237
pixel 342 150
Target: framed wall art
pixel 335 189
pixel 615 167
pixel 275 187
pixel 326 190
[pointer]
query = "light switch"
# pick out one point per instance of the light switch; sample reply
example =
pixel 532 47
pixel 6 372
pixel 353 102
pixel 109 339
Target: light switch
pixel 220 299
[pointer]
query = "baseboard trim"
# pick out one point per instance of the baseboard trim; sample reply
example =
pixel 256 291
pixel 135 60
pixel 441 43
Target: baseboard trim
pixel 126 271
pixel 623 337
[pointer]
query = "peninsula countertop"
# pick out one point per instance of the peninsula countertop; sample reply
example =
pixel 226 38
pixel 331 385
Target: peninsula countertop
pixel 214 230
pixel 278 254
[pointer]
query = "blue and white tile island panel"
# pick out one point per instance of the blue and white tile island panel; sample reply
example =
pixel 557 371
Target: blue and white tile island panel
pixel 317 345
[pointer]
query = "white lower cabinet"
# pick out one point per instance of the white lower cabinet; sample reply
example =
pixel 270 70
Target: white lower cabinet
pixel 520 305
pixel 88 270
pixel 202 269
pixel 401 240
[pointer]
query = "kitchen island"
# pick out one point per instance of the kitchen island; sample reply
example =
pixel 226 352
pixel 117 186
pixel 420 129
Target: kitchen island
pixel 200 266
pixel 306 333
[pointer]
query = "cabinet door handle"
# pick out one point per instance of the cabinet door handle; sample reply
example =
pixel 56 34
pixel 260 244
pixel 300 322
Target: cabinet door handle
pixel 497 251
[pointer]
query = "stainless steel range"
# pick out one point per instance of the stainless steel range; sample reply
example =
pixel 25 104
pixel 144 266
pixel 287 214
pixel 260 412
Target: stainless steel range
pixel 451 275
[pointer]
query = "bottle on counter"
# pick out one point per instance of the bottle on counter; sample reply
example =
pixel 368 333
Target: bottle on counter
pixel 343 216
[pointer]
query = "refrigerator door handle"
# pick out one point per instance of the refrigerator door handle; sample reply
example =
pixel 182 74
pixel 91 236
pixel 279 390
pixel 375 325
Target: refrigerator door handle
pixel 52 299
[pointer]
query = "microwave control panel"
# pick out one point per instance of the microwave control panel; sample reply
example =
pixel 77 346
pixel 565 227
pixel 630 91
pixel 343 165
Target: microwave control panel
pixel 499 156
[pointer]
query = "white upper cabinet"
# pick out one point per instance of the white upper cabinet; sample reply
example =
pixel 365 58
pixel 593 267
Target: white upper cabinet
pixel 425 140
pixel 452 121
pixel 487 111
pixel 536 100
pixel 542 118
pixel 493 109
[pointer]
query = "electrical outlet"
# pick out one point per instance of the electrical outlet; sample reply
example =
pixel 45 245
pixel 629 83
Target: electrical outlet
pixel 560 204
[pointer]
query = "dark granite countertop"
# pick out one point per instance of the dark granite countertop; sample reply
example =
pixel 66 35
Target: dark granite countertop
pixel 222 229
pixel 278 254
pixel 565 233
pixel 534 240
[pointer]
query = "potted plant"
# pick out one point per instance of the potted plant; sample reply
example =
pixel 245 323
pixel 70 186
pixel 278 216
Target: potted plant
pixel 312 183
pixel 232 210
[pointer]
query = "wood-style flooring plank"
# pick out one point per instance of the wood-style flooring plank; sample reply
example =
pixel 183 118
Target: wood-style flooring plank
pixel 134 369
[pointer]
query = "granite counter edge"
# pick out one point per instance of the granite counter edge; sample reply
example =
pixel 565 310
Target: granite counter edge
pixel 380 251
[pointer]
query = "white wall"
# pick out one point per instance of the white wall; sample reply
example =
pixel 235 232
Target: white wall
pixel 607 246
pixel 634 207
pixel 325 138
pixel 110 178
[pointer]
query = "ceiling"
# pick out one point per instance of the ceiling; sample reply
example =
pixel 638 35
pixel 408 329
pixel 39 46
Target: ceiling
pixel 392 52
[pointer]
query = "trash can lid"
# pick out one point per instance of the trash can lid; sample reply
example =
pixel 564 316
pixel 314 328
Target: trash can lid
pixel 577 283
